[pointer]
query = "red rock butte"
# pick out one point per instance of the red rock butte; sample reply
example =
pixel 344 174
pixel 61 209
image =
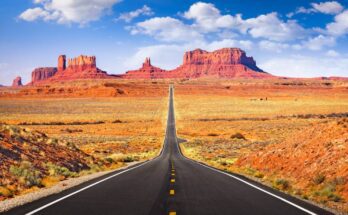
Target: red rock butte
pixel 17 82
pixel 81 67
pixel 222 63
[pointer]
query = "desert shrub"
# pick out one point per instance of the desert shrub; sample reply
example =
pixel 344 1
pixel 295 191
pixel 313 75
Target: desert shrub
pixel 130 159
pixel 68 130
pixel 109 160
pixel 5 192
pixel 339 181
pixel 258 174
pixel 283 184
pixel 27 174
pixel 55 170
pixel 329 193
pixel 238 136
pixel 117 121
pixel 318 179
pixel 120 91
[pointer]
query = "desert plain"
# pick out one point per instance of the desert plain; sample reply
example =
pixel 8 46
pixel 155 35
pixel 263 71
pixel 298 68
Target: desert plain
pixel 290 134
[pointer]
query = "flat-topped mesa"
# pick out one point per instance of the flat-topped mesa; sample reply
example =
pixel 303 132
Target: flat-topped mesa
pixel 229 56
pixel 42 73
pixel 147 71
pixel 82 63
pixel 17 82
pixel 225 63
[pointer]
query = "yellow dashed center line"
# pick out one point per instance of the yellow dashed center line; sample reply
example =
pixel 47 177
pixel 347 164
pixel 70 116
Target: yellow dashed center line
pixel 172 213
pixel 172 180
pixel 171 192
pixel 173 174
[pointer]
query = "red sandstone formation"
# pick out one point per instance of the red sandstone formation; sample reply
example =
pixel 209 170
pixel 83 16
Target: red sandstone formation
pixel 61 63
pixel 222 63
pixel 82 67
pixel 147 71
pixel 225 63
pixel 17 82
pixel 42 73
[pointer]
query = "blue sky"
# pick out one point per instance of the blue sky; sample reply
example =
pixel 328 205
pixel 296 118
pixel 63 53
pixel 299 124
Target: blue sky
pixel 286 37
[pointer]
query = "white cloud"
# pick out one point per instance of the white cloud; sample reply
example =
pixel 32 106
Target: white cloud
pixel 273 46
pixel 305 66
pixel 68 11
pixel 208 18
pixel 270 27
pixel 340 25
pixel 128 17
pixel 317 43
pixel 166 29
pixel 332 53
pixel 330 7
pixel 32 14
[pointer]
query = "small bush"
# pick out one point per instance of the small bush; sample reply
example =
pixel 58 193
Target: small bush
pixel 117 121
pixel 258 175
pixel 128 159
pixel 109 160
pixel 238 136
pixel 282 184
pixel 318 179
pixel 5 192
pixel 55 170
pixel 27 174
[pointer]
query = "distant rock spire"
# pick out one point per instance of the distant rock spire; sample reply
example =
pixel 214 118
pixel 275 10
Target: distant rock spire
pixel 147 62
pixel 17 82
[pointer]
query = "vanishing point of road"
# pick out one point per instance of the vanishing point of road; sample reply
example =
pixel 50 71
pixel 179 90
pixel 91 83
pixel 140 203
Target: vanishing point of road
pixel 169 184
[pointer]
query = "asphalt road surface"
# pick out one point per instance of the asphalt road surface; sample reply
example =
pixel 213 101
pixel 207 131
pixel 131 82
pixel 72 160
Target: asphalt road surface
pixel 169 184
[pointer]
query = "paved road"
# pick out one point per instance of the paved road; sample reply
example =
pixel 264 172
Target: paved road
pixel 169 183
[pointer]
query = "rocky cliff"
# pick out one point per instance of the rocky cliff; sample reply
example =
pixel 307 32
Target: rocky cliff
pixel 42 73
pixel 222 63
pixel 17 82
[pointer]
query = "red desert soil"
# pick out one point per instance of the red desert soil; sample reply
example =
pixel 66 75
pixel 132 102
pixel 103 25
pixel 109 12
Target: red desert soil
pixel 314 160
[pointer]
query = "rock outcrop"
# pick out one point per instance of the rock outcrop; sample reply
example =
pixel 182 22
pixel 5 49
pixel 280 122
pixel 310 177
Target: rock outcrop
pixel 61 63
pixel 81 67
pixel 222 63
pixel 42 73
pixel 17 82
pixel 147 71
